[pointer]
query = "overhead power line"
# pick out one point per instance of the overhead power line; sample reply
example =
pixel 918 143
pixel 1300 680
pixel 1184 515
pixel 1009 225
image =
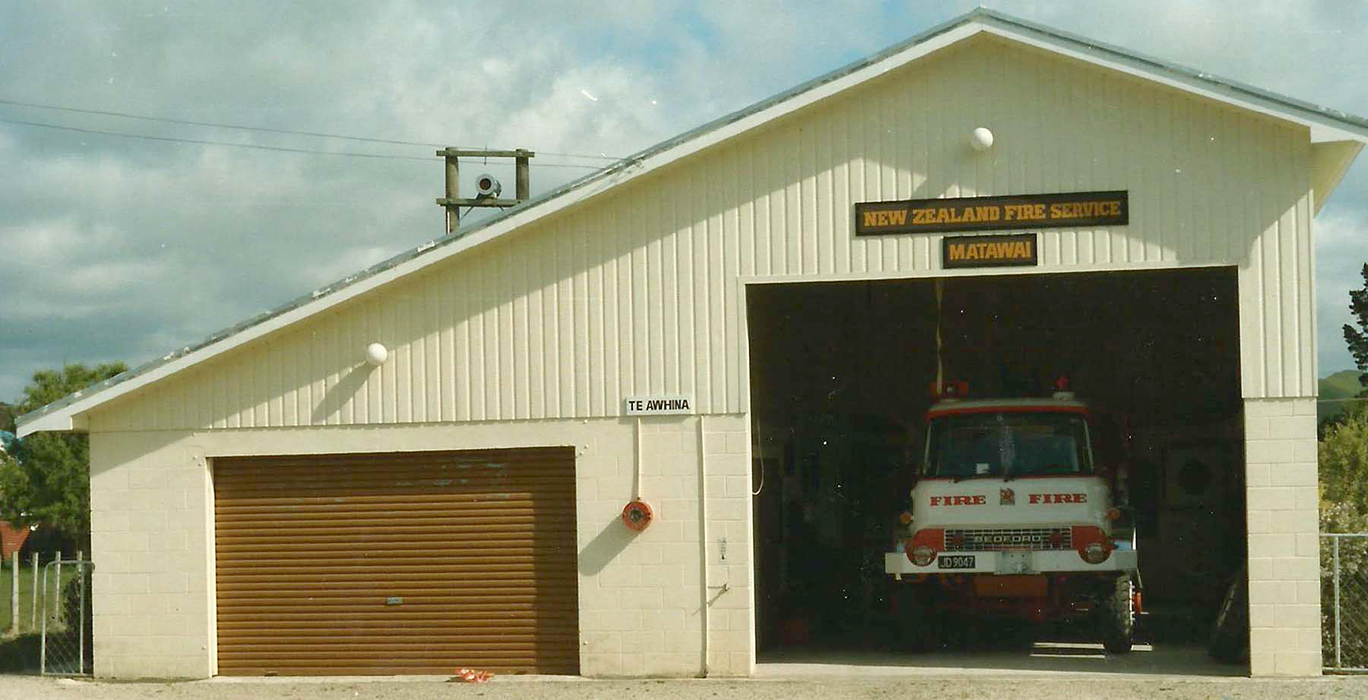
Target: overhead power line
pixel 253 146
pixel 267 130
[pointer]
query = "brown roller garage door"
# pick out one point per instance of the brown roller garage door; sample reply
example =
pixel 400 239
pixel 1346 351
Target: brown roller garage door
pixel 413 563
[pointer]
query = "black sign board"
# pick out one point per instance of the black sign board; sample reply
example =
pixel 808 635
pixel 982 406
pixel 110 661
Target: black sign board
pixel 1018 211
pixel 989 251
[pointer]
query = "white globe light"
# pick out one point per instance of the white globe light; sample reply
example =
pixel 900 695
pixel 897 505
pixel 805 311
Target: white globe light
pixel 376 354
pixel 981 139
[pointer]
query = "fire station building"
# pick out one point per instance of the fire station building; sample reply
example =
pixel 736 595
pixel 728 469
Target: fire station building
pixel 657 422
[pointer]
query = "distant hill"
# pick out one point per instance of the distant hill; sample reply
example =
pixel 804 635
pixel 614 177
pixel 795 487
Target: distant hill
pixel 1340 385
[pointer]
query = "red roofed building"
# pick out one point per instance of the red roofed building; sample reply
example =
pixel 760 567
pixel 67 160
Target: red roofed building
pixel 12 538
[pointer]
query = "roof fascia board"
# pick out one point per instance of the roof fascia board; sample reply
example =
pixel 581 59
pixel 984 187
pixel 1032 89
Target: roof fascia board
pixel 61 419
pixel 1323 127
pixel 57 421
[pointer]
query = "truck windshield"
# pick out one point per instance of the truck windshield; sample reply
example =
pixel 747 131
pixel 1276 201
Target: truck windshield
pixel 1008 444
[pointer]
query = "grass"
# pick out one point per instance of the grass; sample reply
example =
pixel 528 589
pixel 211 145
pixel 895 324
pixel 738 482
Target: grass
pixel 26 618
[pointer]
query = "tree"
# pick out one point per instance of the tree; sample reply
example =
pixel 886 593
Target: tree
pixel 7 416
pixel 1343 457
pixel 48 482
pixel 1358 339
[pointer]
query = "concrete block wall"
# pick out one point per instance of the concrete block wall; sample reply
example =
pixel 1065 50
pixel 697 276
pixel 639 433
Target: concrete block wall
pixel 643 606
pixel 731 586
pixel 1284 548
pixel 152 602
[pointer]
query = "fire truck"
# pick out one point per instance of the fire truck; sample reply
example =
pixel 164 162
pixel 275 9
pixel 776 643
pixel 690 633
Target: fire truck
pixel 1012 516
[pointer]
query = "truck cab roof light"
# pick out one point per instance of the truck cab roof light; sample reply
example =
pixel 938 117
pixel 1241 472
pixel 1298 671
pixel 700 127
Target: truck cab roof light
pixel 949 391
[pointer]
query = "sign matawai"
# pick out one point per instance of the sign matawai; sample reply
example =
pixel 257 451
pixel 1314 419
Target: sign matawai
pixel 989 251
pixel 1019 211
pixel 671 405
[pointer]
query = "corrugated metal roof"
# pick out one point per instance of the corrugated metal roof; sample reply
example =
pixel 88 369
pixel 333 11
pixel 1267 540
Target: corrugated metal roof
pixel 1353 126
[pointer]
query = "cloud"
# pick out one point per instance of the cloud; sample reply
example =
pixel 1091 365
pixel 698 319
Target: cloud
pixel 115 248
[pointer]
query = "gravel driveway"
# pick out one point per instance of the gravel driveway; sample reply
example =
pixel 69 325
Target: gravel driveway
pixel 946 687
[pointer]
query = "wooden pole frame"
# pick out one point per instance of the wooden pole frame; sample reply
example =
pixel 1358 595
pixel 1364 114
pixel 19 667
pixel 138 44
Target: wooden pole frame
pixel 453 201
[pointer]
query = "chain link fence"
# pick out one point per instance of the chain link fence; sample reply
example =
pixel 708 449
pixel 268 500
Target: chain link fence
pixel 66 620
pixel 1344 602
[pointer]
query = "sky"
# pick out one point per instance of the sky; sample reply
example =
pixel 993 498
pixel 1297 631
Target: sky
pixel 126 247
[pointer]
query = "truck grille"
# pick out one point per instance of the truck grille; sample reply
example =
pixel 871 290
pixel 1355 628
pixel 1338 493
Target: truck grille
pixel 998 539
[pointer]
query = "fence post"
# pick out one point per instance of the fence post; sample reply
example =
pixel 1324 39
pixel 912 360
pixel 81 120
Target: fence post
pixel 42 641
pixel 57 610
pixel 14 595
pixel 33 624
pixel 1339 664
pixel 80 594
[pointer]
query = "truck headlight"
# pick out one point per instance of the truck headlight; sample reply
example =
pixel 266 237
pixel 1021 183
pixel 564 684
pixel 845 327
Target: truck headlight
pixel 922 555
pixel 1091 543
pixel 922 546
pixel 1095 553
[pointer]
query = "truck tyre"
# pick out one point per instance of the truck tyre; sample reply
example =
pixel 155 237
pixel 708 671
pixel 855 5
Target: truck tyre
pixel 1230 634
pixel 1118 616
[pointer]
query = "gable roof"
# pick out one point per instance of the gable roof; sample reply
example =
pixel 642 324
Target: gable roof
pixel 1344 134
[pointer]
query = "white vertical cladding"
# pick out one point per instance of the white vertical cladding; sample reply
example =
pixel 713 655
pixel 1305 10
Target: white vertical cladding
pixel 640 290
pixel 1277 319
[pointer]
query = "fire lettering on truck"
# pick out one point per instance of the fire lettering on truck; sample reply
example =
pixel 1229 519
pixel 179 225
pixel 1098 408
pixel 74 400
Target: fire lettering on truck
pixel 978 500
pixel 1059 498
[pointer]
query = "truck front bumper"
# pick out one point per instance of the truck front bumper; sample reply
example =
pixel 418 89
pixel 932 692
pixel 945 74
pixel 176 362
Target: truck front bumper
pixel 1010 562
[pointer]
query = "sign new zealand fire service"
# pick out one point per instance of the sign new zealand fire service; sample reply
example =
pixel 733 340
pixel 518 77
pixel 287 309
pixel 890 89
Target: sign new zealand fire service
pixel 1020 211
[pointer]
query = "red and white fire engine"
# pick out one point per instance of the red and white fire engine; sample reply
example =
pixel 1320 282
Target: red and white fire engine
pixel 1012 516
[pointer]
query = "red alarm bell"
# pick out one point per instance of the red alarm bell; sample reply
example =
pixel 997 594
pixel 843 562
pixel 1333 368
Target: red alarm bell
pixel 637 515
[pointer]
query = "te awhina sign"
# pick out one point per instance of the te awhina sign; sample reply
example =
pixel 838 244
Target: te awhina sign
pixel 1018 211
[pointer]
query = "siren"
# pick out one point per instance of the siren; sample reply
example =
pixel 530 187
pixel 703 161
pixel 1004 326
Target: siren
pixel 487 185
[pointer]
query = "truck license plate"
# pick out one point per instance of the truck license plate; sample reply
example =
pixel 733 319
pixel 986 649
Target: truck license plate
pixel 956 561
